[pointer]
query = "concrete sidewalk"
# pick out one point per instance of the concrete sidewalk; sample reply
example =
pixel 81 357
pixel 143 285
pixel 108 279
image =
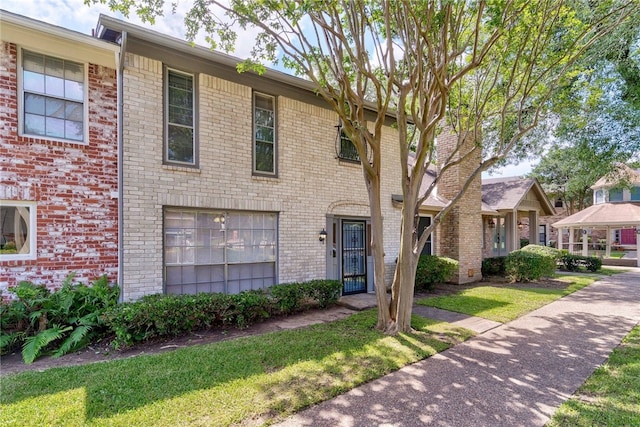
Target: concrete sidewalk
pixel 516 374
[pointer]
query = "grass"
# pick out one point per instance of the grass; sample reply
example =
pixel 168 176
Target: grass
pixel 248 380
pixel 503 304
pixel 611 396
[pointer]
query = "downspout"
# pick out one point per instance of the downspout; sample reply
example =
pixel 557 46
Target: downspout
pixel 120 78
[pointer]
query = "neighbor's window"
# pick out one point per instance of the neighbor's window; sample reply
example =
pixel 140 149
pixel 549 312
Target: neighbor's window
pixel 635 194
pixel 18 223
pixel 347 150
pixel 599 196
pixel 217 251
pixel 179 118
pixel 615 195
pixel 264 128
pixel 53 91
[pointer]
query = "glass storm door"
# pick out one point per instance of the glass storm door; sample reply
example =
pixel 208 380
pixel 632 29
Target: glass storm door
pixel 354 257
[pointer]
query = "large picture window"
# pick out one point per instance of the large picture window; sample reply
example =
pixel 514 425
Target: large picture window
pixel 264 128
pixel 216 251
pixel 18 224
pixel 179 119
pixel 54 93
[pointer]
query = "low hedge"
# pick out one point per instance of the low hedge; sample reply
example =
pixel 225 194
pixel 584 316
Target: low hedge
pixel 432 269
pixel 161 316
pixel 525 265
pixel 494 266
pixel 571 262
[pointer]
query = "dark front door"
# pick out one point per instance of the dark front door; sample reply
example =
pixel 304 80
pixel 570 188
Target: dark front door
pixel 354 257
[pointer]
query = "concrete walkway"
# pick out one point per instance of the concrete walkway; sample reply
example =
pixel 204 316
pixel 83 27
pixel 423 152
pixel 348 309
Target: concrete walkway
pixel 516 374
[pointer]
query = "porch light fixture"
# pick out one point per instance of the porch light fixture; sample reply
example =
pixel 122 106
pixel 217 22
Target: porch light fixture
pixel 322 236
pixel 491 223
pixel 520 225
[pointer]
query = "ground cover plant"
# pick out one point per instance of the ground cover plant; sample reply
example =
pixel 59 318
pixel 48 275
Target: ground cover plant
pixel 611 396
pixel 247 380
pixel 504 304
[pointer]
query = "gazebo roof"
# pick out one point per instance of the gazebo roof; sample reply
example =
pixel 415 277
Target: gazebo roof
pixel 603 214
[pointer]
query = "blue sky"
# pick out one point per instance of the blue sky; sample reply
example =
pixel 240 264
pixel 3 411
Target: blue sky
pixel 75 15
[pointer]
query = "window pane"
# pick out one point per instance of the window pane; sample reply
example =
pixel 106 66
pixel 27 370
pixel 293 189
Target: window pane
pixel 73 111
pixel 635 194
pixel 181 116
pixel 73 71
pixel 73 90
pixel 54 127
pixel 33 82
pixel 264 102
pixel 54 86
pixel 264 134
pixel 34 124
pixel 264 117
pixel 54 67
pixel 180 144
pixel 73 130
pixel 33 62
pixel 264 156
pixel 615 195
pixel 34 104
pixel 55 108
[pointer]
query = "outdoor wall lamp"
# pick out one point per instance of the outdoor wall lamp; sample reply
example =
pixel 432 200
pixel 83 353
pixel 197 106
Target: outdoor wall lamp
pixel 491 223
pixel 520 225
pixel 322 236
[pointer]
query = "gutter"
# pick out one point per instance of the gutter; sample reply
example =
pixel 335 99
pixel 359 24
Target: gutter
pixel 120 79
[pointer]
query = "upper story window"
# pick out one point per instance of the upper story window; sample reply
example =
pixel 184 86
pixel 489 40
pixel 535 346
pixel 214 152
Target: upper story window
pixel 635 194
pixel 180 138
pixel 18 239
pixel 615 195
pixel 346 149
pixel 264 134
pixel 599 196
pixel 54 95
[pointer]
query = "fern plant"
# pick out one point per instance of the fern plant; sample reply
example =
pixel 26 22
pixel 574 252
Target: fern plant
pixel 55 323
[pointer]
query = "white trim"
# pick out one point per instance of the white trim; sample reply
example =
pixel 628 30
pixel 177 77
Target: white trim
pixel 194 139
pixel 31 232
pixel 20 96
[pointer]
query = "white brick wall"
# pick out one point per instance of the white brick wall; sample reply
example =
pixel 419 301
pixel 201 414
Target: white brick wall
pixel 311 182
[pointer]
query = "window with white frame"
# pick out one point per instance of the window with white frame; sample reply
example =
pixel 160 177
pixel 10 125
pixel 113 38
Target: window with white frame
pixel 264 131
pixel 217 251
pixel 615 195
pixel 634 194
pixel 180 137
pixel 599 196
pixel 18 225
pixel 54 95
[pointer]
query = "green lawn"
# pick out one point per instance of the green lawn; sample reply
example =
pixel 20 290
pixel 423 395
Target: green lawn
pixel 611 396
pixel 504 304
pixel 242 381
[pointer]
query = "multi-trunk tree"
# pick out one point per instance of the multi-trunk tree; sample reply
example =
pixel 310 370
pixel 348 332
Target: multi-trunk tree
pixel 484 70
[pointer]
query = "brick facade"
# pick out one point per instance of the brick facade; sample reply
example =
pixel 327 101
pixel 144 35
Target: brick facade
pixel 312 185
pixel 73 184
pixel 460 232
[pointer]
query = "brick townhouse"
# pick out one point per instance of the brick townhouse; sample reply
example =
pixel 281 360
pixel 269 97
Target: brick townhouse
pixel 58 154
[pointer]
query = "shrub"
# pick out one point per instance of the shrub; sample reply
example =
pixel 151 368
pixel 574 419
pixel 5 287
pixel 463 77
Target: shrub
pixel 523 265
pixel 524 242
pixel 572 262
pixel 55 323
pixel 494 266
pixel 543 250
pixel 432 269
pixel 161 316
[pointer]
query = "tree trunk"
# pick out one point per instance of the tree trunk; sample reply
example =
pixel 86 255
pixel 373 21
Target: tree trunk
pixel 385 322
pixel 404 278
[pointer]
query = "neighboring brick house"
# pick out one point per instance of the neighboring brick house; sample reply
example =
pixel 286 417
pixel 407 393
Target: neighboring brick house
pixel 229 179
pixel 58 154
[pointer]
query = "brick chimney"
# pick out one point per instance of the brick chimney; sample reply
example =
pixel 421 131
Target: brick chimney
pixel 461 229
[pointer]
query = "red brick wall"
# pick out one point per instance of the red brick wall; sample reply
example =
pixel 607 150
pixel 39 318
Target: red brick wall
pixel 71 183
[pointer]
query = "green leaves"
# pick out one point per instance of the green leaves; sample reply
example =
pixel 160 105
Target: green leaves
pixel 33 345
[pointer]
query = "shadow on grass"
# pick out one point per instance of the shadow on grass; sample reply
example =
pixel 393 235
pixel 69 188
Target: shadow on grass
pixel 326 359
